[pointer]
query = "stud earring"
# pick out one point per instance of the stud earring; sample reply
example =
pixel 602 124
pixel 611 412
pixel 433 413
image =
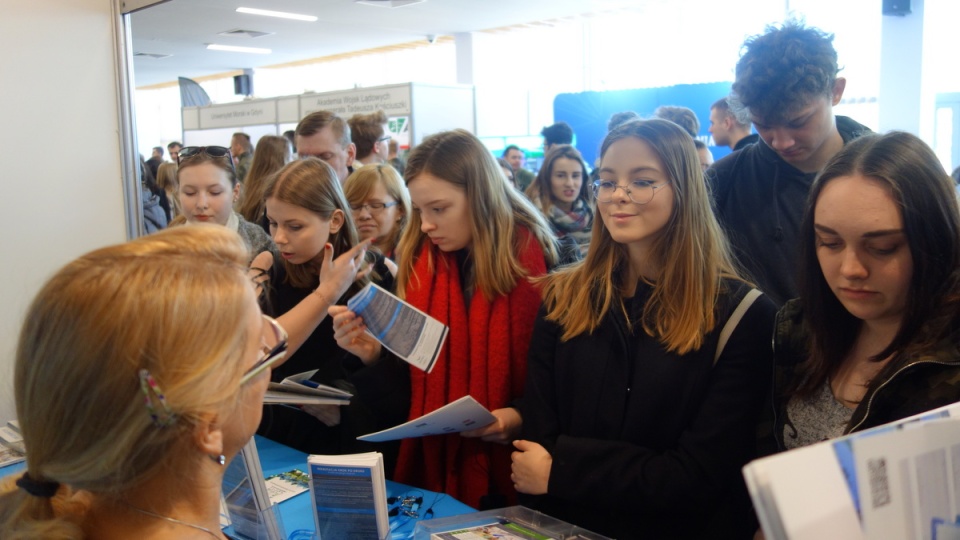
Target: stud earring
pixel 220 460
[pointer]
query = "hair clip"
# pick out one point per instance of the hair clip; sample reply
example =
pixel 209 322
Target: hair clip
pixel 151 390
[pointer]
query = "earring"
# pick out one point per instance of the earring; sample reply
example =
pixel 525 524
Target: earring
pixel 220 460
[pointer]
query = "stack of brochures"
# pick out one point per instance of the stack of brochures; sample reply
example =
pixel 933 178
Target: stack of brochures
pixel 349 495
pixel 900 480
pixel 11 444
pixel 300 390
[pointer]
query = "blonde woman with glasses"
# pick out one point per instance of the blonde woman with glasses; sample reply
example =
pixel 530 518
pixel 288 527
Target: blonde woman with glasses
pixel 631 395
pixel 139 374
pixel 380 204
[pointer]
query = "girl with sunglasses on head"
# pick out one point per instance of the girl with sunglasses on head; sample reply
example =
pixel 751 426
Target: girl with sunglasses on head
pixel 561 191
pixel 208 188
pixel 467 259
pixel 323 262
pixel 380 204
pixel 139 374
pixel 873 337
pixel 643 387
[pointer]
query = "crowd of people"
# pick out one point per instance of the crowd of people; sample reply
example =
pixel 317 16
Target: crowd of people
pixel 640 331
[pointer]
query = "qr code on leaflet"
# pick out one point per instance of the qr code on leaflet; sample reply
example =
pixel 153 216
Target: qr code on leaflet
pixel 879 483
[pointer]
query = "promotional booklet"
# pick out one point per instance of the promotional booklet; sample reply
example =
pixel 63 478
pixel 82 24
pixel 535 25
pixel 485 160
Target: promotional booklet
pixel 300 390
pixel 349 496
pixel 899 480
pixel 461 415
pixel 403 329
pixel 245 494
pixel 11 444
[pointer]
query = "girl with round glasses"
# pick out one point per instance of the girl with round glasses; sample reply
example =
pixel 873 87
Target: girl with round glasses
pixel 380 204
pixel 136 381
pixel 873 337
pixel 562 192
pixel 642 385
pixel 208 189
pixel 322 263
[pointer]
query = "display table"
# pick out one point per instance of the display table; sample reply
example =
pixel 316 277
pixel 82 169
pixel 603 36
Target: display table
pixel 296 512
pixel 297 515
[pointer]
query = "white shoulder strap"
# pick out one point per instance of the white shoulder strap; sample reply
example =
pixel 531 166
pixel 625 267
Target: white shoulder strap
pixel 734 320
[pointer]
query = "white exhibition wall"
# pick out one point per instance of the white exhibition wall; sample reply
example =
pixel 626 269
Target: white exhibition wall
pixel 59 151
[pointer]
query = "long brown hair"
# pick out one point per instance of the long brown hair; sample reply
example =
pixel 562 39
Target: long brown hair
pixel 496 209
pixel 312 185
pixel 927 201
pixel 541 189
pixel 692 251
pixel 270 156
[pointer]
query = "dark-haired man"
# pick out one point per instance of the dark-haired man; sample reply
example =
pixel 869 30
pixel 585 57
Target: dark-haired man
pixel 559 133
pixel 324 135
pixel 730 125
pixel 174 150
pixel 787 80
pixel 514 156
pixel 242 150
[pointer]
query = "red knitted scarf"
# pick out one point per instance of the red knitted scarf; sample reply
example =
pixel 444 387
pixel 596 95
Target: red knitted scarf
pixel 485 356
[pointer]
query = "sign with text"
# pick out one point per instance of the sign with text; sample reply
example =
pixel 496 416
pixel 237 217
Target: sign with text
pixel 239 114
pixel 393 100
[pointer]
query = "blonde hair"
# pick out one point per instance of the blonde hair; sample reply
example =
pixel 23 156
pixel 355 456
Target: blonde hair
pixel 173 303
pixel 358 186
pixel 312 184
pixel 269 157
pixel 496 209
pixel 167 181
pixel 692 251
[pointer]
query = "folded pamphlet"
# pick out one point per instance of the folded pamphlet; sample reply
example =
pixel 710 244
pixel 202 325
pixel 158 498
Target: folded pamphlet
pixel 891 481
pixel 461 415
pixel 403 329
pixel 300 390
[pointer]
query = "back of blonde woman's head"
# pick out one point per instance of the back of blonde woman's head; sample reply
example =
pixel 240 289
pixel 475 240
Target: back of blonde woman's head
pixel 173 303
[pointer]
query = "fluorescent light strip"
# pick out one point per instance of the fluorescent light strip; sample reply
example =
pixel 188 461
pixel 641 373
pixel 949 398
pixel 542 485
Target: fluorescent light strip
pixel 234 48
pixel 280 14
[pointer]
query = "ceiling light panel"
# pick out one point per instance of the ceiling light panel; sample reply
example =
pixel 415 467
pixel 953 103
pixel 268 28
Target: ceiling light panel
pixel 279 14
pixel 234 48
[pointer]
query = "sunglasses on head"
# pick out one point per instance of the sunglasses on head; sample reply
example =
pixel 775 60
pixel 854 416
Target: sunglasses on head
pixel 188 152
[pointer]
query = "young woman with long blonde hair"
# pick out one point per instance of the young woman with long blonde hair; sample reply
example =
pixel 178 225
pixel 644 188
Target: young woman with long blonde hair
pixel 634 411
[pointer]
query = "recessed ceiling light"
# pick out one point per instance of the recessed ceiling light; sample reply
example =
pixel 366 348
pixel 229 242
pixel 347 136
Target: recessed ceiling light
pixel 234 48
pixel 280 14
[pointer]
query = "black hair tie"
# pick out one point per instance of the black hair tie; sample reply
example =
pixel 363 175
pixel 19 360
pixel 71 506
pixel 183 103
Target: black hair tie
pixel 37 488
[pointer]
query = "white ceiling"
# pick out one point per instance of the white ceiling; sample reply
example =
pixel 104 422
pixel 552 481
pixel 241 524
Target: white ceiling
pixel 183 28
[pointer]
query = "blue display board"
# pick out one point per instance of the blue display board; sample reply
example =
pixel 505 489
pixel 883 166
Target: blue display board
pixel 588 112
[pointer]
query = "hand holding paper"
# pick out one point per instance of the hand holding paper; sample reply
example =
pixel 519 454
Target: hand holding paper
pixel 406 331
pixel 461 415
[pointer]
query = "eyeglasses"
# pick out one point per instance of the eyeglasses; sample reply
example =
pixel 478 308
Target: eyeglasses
pixel 274 348
pixel 188 152
pixel 383 139
pixel 639 191
pixel 374 207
